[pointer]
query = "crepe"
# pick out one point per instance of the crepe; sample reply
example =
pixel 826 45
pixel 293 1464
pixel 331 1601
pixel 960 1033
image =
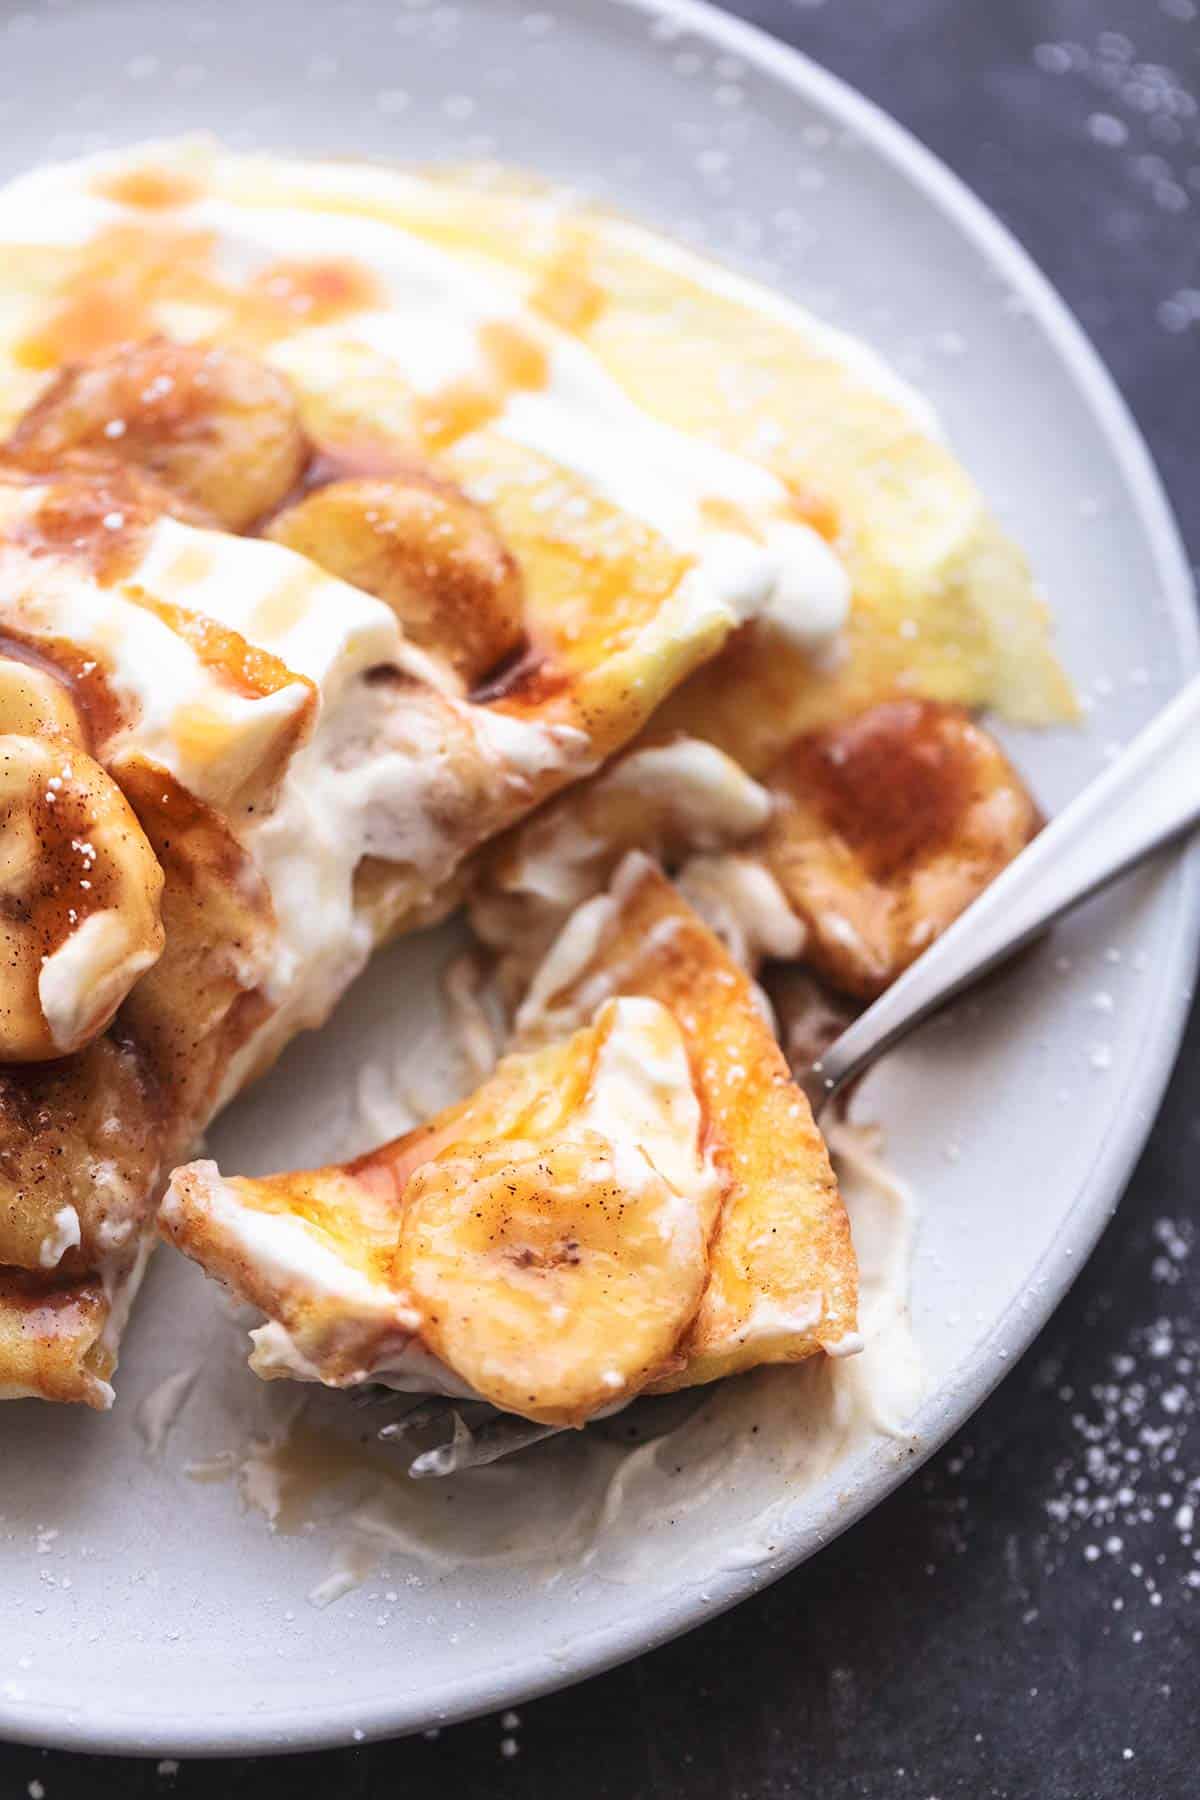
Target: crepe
pixel 358 512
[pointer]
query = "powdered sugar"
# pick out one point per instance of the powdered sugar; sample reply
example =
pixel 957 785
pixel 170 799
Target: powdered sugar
pixel 1147 116
pixel 1121 1501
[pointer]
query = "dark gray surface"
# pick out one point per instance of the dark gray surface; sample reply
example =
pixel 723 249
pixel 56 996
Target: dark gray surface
pixel 1020 1621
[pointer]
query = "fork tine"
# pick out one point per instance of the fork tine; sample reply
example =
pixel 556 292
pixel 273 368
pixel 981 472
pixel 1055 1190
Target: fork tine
pixel 416 1417
pixel 497 1436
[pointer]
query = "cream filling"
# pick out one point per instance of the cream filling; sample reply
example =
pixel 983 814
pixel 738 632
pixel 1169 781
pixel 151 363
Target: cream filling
pixel 706 796
pixel 642 1099
pixel 436 303
pixel 741 901
pixel 768 1319
pixel 88 975
pixel 287 1254
pixel 121 1280
pixel 686 789
pixel 571 953
pixel 365 782
pixel 291 1258
pixel 407 1369
pixel 64 1235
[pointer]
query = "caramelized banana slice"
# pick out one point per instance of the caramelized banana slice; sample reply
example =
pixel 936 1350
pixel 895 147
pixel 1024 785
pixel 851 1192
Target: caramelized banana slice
pixel 54 1344
pixel 433 555
pixel 543 1245
pixel 81 1143
pixel 213 424
pixel 887 827
pixel 81 890
pixel 35 703
pixel 556 1276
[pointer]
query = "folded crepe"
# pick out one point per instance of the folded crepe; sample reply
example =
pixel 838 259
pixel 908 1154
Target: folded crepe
pixel 638 1201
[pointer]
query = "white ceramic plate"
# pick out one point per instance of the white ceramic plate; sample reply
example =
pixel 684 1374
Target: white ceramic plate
pixel 142 1610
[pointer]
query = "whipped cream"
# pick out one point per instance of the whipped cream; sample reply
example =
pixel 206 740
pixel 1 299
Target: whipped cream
pixel 259 210
pixel 642 1101
pixel 63 1236
pixel 741 901
pixel 672 798
pixel 93 968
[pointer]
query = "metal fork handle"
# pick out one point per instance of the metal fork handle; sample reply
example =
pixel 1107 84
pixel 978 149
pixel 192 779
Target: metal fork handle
pixel 1147 796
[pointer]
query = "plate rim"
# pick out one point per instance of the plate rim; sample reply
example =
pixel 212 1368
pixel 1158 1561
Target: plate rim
pixel 946 1410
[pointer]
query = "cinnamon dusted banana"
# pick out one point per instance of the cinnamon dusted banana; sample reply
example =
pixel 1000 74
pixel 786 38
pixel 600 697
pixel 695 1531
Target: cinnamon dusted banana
pixel 35 703
pixel 544 1245
pixel 886 827
pixel 433 555
pixel 81 1140
pixel 80 890
pixel 218 427
pixel 557 1276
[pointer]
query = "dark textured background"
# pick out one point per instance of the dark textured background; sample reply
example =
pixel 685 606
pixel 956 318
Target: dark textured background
pixel 1022 1622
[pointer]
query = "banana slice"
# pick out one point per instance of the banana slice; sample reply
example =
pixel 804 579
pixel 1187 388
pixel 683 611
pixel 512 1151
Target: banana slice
pixel 556 1276
pixel 433 555
pixel 80 889
pixel 886 827
pixel 218 427
pixel 544 1245
pixel 35 703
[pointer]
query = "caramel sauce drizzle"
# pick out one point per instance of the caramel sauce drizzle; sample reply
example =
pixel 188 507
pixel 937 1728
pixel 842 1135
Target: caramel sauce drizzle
pixel 154 190
pixel 566 294
pixel 130 271
pixel 317 292
pixel 889 783
pixel 110 297
pixel 512 360
pixel 242 666
pixel 92 510
pixel 87 679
